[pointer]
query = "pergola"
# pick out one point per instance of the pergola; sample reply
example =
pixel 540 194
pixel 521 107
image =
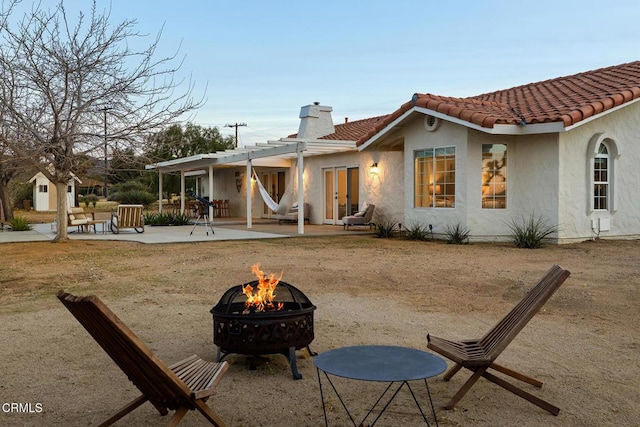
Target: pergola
pixel 272 154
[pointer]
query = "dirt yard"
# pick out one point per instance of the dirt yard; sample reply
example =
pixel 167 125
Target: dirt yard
pixel 584 344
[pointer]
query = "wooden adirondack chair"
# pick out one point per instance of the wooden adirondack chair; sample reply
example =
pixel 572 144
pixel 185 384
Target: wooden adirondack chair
pixel 128 216
pixel 479 355
pixel 183 386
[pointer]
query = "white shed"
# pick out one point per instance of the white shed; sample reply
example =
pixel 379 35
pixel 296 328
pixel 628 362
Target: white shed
pixel 44 192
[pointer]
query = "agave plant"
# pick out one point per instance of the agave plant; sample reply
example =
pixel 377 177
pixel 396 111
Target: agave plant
pixel 457 234
pixel 529 233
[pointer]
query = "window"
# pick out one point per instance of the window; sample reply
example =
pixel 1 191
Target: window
pixel 601 179
pixel 435 178
pixel 494 176
pixel 69 189
pixel 43 188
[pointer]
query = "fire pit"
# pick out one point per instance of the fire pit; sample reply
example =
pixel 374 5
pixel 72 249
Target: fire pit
pixel 244 323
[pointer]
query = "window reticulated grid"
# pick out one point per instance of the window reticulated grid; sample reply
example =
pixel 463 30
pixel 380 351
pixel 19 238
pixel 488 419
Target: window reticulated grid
pixel 434 177
pixel 601 179
pixel 494 176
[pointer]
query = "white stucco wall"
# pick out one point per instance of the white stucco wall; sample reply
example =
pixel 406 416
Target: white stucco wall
pixel 622 128
pixel 532 184
pixel 384 189
pixel 532 180
pixel 416 137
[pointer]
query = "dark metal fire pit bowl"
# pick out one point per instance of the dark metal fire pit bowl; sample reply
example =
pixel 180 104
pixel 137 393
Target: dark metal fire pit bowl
pixel 269 332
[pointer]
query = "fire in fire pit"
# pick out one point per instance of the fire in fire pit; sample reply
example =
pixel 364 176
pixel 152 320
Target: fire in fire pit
pixel 264 316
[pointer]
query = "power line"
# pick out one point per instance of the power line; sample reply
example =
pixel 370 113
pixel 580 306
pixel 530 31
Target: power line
pixel 237 125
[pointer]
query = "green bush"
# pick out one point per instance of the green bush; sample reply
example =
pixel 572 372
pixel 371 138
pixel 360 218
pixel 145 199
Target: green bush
pixel 181 219
pixel 19 223
pixel 457 234
pixel 91 198
pixel 124 187
pixel 134 197
pixel 529 233
pixel 417 232
pixel 21 192
pixel 164 219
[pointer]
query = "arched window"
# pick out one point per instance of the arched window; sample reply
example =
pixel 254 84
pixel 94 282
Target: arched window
pixel 601 176
pixel 602 156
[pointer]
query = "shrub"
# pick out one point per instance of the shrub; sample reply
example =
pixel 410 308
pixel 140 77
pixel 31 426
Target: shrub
pixel 19 223
pixel 385 226
pixel 417 232
pixel 91 198
pixel 457 234
pixel 529 233
pixel 134 197
pixel 21 192
pixel 163 219
pixel 124 187
pixel 181 219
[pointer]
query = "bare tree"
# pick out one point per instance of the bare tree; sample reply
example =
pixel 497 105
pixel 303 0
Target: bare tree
pixel 60 77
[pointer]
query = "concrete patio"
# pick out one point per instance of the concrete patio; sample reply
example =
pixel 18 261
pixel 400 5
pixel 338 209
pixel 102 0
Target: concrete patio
pixel 229 229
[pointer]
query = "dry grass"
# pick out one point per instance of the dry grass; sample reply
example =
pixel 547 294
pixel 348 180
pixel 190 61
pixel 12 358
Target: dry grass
pixel 583 344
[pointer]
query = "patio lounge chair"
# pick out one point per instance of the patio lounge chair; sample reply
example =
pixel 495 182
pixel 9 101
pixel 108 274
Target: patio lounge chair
pixel 128 216
pixel 479 355
pixel 359 218
pixel 183 386
pixel 79 218
pixel 292 215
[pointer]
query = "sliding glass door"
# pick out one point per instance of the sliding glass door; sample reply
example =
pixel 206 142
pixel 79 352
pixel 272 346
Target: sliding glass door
pixel 341 193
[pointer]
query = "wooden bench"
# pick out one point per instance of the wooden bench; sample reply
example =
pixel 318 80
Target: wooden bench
pixel 183 386
pixel 478 355
pixel 128 216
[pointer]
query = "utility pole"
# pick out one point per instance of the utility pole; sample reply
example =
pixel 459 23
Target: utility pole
pixel 235 126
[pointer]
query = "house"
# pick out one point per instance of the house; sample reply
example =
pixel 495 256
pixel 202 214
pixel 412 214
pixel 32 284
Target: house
pixel 45 193
pixel 565 150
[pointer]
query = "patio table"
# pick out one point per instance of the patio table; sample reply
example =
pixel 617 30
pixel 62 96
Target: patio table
pixel 380 363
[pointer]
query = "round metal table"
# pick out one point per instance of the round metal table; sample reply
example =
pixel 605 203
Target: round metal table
pixel 382 363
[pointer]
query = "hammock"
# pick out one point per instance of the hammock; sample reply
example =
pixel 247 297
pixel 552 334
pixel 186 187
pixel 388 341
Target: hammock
pixel 285 201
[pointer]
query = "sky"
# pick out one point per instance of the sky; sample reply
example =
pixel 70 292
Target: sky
pixel 258 62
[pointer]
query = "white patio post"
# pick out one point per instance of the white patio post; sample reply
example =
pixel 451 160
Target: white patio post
pixel 210 191
pixel 248 179
pixel 300 192
pixel 159 191
pixel 182 185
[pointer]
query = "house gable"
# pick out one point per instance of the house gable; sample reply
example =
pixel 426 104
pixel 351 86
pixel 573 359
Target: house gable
pixel 549 106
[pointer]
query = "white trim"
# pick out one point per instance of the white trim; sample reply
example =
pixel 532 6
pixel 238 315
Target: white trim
pixel 273 153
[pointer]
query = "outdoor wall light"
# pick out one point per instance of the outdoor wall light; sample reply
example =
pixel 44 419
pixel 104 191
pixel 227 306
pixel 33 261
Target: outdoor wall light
pixel 374 168
pixel 238 184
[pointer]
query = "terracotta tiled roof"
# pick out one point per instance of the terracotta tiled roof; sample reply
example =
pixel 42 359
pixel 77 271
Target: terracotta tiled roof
pixel 568 100
pixel 352 131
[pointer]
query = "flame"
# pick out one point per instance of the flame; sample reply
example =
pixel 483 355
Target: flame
pixel 262 299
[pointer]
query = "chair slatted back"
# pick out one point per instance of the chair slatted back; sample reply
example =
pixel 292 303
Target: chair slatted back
pixel 499 337
pixel 130 216
pixel 154 379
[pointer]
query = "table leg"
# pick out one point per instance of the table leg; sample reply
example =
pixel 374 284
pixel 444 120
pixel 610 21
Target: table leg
pixel 344 405
pixel 395 393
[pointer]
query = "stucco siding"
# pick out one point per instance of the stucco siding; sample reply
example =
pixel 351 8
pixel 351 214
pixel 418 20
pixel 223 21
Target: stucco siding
pixel 620 130
pixel 416 137
pixel 384 189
